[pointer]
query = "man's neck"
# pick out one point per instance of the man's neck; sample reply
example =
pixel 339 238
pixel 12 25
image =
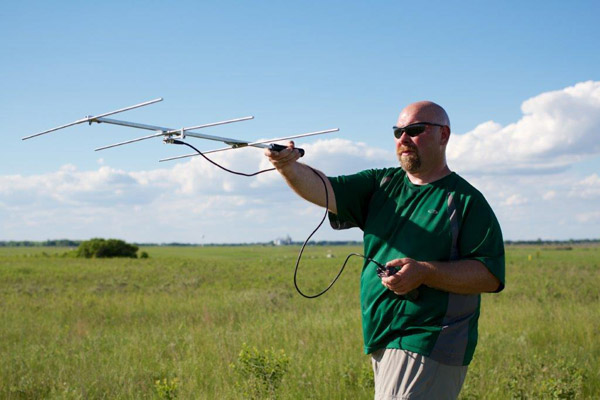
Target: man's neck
pixel 425 177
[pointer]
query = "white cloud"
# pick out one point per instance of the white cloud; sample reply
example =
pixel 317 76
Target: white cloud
pixel 588 188
pixel 181 202
pixel 341 156
pixel 549 195
pixel 515 200
pixel 557 129
pixel 589 218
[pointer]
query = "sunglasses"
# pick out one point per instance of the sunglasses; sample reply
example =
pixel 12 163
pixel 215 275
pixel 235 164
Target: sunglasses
pixel 413 129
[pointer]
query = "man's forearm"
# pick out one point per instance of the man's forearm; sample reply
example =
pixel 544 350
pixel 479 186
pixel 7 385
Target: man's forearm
pixel 462 277
pixel 305 182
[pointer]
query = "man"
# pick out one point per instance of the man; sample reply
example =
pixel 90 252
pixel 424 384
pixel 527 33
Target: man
pixel 438 232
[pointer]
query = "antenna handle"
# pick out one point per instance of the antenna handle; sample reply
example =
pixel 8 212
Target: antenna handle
pixel 278 147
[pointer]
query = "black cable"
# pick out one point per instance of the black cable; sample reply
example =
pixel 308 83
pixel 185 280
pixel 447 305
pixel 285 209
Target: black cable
pixel 175 141
pixel 301 252
pixel 379 265
pixel 306 242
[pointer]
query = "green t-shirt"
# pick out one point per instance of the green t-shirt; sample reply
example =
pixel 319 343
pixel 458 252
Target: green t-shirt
pixel 400 219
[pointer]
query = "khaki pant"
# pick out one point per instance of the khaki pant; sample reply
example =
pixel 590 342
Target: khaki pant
pixel 401 374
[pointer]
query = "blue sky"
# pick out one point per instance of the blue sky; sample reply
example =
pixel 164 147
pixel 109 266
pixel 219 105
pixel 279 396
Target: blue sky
pixel 520 81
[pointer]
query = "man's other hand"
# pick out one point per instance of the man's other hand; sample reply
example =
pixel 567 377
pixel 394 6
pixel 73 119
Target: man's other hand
pixel 411 274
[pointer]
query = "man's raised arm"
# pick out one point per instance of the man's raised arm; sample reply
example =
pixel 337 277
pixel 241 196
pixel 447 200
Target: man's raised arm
pixel 302 178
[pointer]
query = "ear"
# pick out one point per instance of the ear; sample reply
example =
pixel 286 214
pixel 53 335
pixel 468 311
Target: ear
pixel 445 136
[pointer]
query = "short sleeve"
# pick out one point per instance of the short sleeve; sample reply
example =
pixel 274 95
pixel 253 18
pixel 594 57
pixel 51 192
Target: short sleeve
pixel 481 239
pixel 352 195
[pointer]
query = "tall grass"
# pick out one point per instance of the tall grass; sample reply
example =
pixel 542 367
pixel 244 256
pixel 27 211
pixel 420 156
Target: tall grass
pixel 173 325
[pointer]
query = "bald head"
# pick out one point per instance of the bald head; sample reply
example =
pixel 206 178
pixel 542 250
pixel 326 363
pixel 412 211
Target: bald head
pixel 423 155
pixel 423 111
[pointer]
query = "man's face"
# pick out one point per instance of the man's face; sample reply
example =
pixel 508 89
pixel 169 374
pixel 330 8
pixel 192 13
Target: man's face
pixel 425 151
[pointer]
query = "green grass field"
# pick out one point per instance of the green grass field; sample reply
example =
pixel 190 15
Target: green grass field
pixel 173 326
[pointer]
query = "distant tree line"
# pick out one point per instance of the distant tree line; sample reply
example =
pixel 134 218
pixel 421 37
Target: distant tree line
pixel 47 243
pixel 76 243
pixel 552 242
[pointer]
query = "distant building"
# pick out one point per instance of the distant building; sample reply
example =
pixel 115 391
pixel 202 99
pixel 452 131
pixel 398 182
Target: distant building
pixel 283 241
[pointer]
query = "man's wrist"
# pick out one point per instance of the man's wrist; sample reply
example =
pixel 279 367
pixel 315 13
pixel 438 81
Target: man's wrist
pixel 289 170
pixel 427 271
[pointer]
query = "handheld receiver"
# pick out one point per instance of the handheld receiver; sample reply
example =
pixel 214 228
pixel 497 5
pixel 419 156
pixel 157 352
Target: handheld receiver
pixel 384 271
pixel 278 147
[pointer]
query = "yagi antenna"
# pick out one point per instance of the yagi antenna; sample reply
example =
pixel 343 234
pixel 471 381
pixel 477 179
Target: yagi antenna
pixel 170 135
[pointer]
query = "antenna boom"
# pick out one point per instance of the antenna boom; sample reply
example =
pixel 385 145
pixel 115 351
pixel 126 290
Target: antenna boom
pixel 260 144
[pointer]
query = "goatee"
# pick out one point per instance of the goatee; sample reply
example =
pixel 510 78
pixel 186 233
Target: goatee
pixel 409 162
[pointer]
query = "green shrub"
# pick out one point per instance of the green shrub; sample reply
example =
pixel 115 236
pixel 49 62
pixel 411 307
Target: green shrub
pixel 261 372
pixel 166 388
pixel 105 248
